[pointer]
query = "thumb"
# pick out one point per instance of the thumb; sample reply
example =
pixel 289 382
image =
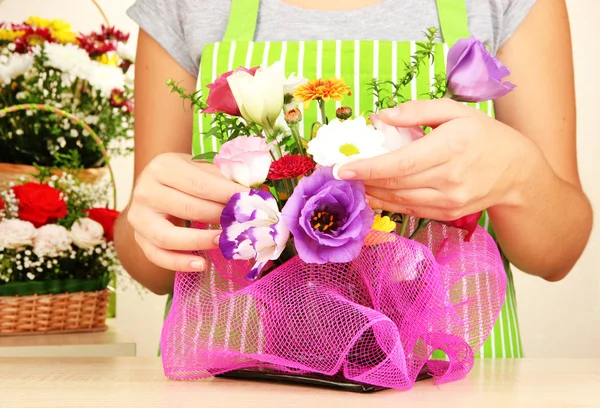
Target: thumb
pixel 430 113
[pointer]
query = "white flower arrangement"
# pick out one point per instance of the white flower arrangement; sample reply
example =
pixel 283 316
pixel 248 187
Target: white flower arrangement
pixel 44 62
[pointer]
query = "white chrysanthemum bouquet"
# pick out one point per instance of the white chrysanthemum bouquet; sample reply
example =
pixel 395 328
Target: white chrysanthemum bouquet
pixel 90 76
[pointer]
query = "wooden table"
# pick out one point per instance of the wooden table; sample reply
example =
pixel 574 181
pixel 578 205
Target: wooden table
pixel 109 343
pixel 139 382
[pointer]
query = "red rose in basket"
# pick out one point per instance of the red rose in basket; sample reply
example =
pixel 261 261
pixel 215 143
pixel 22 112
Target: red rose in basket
pixel 40 204
pixel 105 217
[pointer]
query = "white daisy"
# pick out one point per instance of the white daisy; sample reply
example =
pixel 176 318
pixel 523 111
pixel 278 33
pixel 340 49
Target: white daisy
pixel 340 142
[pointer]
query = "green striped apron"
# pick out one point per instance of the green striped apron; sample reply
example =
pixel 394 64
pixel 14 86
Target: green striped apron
pixel 357 62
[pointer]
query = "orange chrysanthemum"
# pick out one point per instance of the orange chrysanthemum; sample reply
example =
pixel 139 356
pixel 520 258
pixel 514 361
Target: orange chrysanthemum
pixel 324 89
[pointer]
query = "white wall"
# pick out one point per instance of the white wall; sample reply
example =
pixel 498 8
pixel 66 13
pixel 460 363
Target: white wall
pixel 561 319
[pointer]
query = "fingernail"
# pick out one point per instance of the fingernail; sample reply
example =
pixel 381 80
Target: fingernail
pixel 217 239
pixel 392 113
pixel 347 175
pixel 197 265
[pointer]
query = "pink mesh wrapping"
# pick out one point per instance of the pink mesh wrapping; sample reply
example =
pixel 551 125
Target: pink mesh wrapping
pixel 376 320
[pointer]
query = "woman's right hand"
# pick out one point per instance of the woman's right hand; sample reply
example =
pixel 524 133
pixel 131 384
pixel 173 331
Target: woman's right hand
pixel 170 189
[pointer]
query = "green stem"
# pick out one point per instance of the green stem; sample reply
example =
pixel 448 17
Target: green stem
pixel 405 219
pixel 423 222
pixel 273 138
pixel 298 139
pixel 323 115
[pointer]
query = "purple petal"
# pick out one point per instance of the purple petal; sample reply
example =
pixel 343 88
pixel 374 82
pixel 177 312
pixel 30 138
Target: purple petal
pixel 255 271
pixel 458 52
pixel 474 75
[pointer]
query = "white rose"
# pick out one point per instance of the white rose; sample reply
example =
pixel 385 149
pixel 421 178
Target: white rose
pixel 16 234
pixel 87 233
pixel 51 240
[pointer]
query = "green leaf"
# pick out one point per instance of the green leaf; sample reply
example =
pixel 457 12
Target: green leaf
pixel 207 157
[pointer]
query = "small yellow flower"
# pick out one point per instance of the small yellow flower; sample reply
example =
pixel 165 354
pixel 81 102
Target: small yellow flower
pixel 384 224
pixel 106 60
pixel 324 89
pixel 10 35
pixel 64 36
pixel 38 22
pixel 60 30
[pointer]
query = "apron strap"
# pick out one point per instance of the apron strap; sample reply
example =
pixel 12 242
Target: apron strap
pixel 242 20
pixel 453 20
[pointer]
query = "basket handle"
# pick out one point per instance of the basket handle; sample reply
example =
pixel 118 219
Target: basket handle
pixel 101 12
pixel 76 120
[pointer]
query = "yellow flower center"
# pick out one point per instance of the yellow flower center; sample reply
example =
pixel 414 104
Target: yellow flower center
pixel 349 149
pixel 35 39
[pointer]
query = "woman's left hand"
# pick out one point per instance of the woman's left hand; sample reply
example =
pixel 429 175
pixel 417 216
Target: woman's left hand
pixel 467 163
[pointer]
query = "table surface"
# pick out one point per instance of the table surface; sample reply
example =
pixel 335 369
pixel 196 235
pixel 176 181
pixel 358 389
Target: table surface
pixel 109 343
pixel 139 382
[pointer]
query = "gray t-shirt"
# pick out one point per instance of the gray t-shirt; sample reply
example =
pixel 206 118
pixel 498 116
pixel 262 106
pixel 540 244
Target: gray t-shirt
pixel 183 27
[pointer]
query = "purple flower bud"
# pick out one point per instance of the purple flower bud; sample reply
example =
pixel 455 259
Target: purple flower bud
pixel 474 75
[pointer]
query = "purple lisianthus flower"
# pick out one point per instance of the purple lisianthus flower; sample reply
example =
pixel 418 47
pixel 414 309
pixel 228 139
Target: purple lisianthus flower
pixel 328 218
pixel 474 75
pixel 253 229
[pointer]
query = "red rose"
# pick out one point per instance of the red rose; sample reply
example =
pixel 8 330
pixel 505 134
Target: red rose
pixel 220 99
pixel 105 217
pixel 468 223
pixel 290 166
pixel 40 204
pixel 1 206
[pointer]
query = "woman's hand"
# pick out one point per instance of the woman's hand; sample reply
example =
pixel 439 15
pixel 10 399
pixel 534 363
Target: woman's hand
pixel 170 189
pixel 467 163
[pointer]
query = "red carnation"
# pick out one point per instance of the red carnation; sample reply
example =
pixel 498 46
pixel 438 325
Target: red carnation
pixel 40 204
pixel 220 98
pixel 105 217
pixel 291 166
pixel 468 223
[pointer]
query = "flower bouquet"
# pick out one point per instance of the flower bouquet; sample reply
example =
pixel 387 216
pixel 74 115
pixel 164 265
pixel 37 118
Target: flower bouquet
pixel 56 256
pixel 309 281
pixel 48 71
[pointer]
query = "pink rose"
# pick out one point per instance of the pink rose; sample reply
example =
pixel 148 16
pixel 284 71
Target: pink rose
pixel 396 137
pixel 245 160
pixel 468 223
pixel 220 99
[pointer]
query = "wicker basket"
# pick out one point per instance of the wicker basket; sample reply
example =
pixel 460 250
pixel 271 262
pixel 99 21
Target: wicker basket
pixel 62 313
pixel 13 172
